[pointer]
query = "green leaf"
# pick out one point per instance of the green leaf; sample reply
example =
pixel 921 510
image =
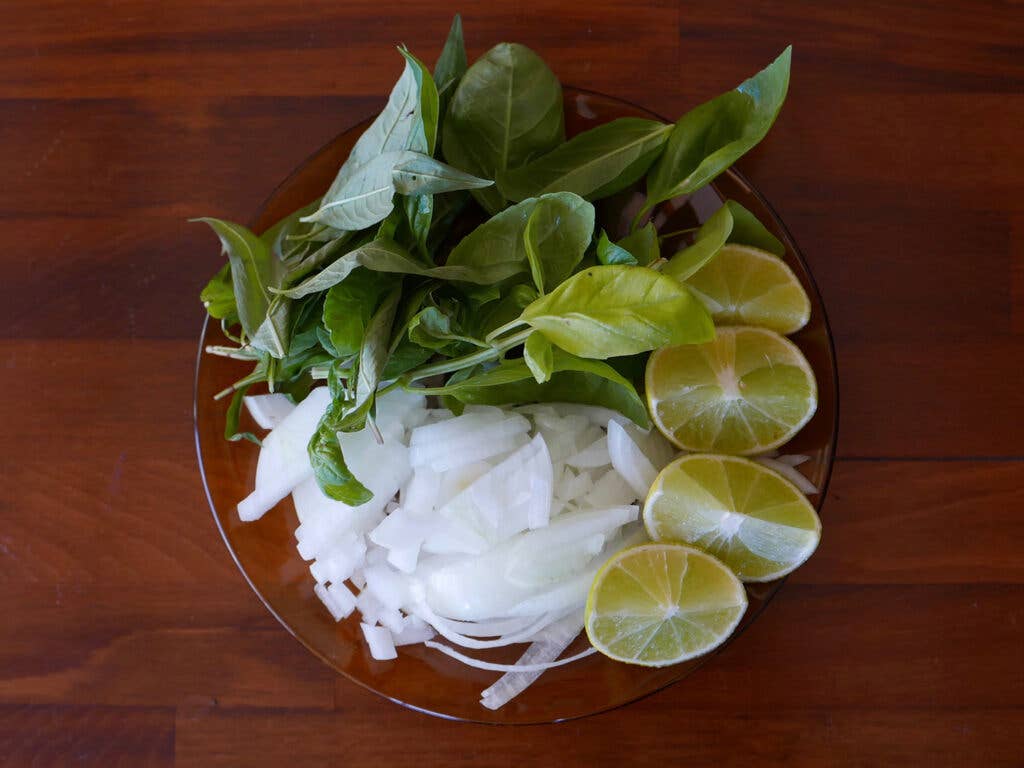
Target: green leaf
pixel 219 296
pixel 254 270
pixel 361 194
pixel 495 314
pixel 349 305
pixel 329 468
pixel 573 380
pixel 643 244
pixel 497 247
pixel 435 329
pixel 619 310
pixel 272 335
pixel 556 236
pixel 419 213
pixel 234 413
pixel 284 234
pixel 365 197
pixel 732 223
pixel 373 355
pixel 539 356
pixel 610 253
pixel 451 64
pixel 446 209
pixel 425 175
pixel 747 229
pixel 594 164
pixel 506 110
pixel 404 357
pixel 384 256
pixel 707 140
pixel 429 102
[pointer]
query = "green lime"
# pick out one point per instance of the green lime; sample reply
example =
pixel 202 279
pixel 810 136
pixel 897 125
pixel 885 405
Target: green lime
pixel 659 604
pixel 749 517
pixel 747 391
pixel 748 286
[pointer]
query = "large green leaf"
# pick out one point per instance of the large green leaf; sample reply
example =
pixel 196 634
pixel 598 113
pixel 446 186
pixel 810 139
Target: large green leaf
pixel 498 248
pixel 329 468
pixel 506 111
pixel 573 380
pixel 609 311
pixel 732 223
pixel 643 244
pixel 707 140
pixel 254 270
pixel 595 164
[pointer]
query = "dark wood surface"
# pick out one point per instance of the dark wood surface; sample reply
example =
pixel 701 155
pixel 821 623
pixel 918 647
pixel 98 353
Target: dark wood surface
pixel 128 636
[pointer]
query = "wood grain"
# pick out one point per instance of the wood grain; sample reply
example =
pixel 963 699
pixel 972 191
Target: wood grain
pixel 130 637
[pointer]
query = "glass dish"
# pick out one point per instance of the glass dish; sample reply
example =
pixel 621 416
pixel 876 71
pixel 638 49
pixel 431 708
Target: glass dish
pixel 421 678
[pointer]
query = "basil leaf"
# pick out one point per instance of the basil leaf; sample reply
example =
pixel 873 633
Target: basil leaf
pixel 573 380
pixel 435 329
pixel 446 209
pixel 365 196
pixel 495 314
pixel 497 247
pixel 619 310
pixel 594 164
pixel 405 356
pixel 732 223
pixel 451 64
pixel 384 256
pixel 234 413
pixel 372 356
pixel 556 236
pixel 219 296
pixel 284 234
pixel 329 468
pixel 429 114
pixel 506 110
pixel 419 214
pixel 272 335
pixel 643 244
pixel 349 305
pixel 539 357
pixel 610 253
pixel 747 229
pixel 707 140
pixel 424 175
pixel 254 269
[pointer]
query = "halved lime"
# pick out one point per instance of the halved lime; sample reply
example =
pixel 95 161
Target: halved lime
pixel 659 604
pixel 747 391
pixel 749 517
pixel 748 286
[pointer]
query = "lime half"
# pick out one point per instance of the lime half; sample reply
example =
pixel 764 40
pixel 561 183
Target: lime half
pixel 747 391
pixel 659 604
pixel 748 286
pixel 751 518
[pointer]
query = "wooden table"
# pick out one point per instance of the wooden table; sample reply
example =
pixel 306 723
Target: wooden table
pixel 129 638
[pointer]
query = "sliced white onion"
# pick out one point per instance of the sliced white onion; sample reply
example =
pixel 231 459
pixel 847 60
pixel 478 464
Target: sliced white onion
pixel 629 461
pixel 610 490
pixel 268 410
pixel 593 456
pixel 794 459
pixel 469 661
pixel 790 473
pixel 414 632
pixel 548 646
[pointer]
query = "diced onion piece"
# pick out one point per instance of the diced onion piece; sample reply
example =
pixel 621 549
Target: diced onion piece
pixel 790 473
pixel 380 642
pixel 268 410
pixel 336 609
pixel 629 461
pixel 388 586
pixel 414 632
pixel 610 490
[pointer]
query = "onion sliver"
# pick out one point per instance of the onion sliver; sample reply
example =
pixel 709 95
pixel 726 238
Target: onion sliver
pixel 469 661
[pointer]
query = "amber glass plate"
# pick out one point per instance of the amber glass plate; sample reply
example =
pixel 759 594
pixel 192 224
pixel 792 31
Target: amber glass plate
pixel 421 678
